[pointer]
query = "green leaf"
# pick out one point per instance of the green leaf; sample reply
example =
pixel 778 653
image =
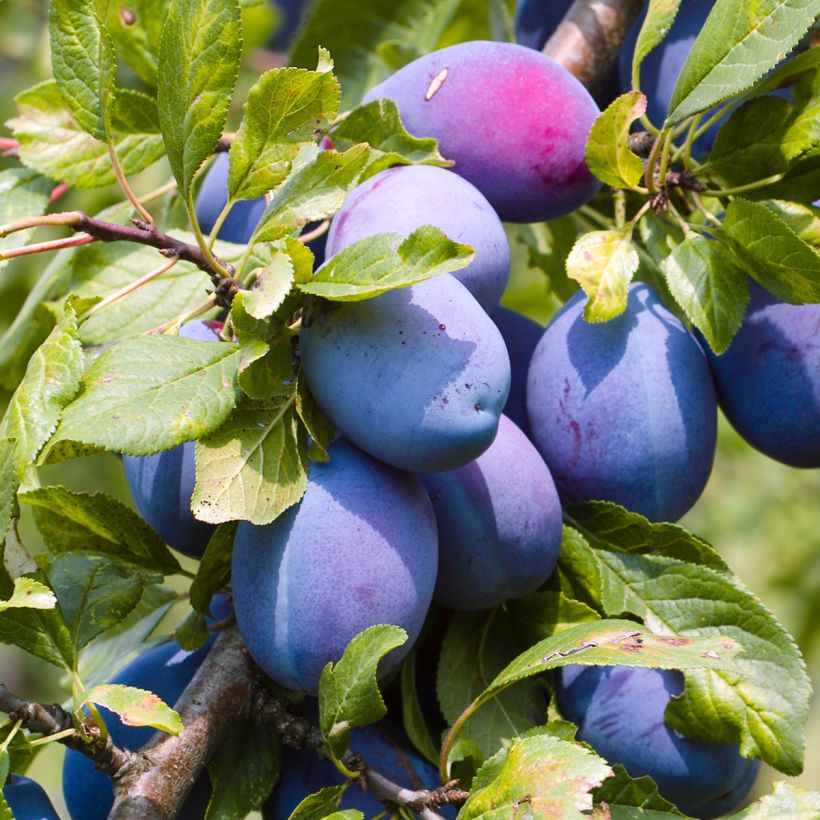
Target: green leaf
pixel 23 193
pixel 282 112
pixel 546 613
pixel 214 570
pixel 739 43
pixel 5 809
pixel 272 373
pixel 95 592
pixel 192 632
pixel 272 285
pixel 607 152
pixel 348 690
pixel 136 27
pixel 52 380
pixel 150 394
pixel 748 146
pixel 29 594
pixel 83 63
pixel 383 262
pixel 476 647
pixel 785 803
pixel 709 287
pixel 254 466
pixel 8 488
pixel 71 522
pixel 656 25
pixel 52 143
pixel 761 701
pixel 135 707
pixel 319 805
pixel 198 65
pixel 548 245
pixel 243 771
pixel 316 191
pixel 788 72
pixel 802 138
pixel 628 798
pixel 538 776
pixel 412 717
pixel 802 219
pixel 317 424
pixel 379 125
pixel 603 263
pixel 772 252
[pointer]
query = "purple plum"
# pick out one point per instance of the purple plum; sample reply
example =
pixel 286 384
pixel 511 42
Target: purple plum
pixel 399 200
pixel 499 524
pixel 27 799
pixel 625 410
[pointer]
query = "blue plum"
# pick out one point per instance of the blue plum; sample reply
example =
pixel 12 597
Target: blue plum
pixel 303 772
pixel 624 410
pixel 514 121
pixel 535 20
pixel 521 336
pixel 499 524
pixel 359 549
pixel 768 380
pixel 27 799
pixel 619 712
pixel 291 12
pixel 416 377
pixel 162 484
pixel 399 200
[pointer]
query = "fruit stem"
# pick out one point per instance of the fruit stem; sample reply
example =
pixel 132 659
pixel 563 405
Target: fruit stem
pixel 126 188
pixel 51 245
pixel 741 189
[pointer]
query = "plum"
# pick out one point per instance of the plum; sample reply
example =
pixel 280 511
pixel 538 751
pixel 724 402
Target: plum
pixel 535 20
pixel 521 336
pixel 619 711
pixel 291 12
pixel 768 381
pixel 165 670
pixel 515 122
pixel 499 524
pixel 399 200
pixel 27 799
pixel 381 746
pixel 625 410
pixel 162 484
pixel 416 377
pixel 359 549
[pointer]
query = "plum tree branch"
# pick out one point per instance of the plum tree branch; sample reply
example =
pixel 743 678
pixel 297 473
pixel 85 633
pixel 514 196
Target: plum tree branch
pixel 587 40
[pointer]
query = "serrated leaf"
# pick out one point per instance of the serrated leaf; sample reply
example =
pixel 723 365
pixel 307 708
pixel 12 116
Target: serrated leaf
pixel 272 373
pixel 802 136
pixel 383 262
pixel 29 594
pixel 272 285
pixel 762 701
pixel 348 690
pixel 254 466
pixel 8 488
pixel 546 613
pixel 802 219
pixel 632 798
pixel 52 143
pixel 150 394
pixel 709 287
pixel 413 719
pixel 214 571
pixel 319 805
pixel 788 72
pixel 538 777
pixel 199 60
pixel 23 193
pixel 192 631
pixel 607 152
pixel 318 426
pixel 774 254
pixel 135 707
pixel 603 263
pixel 282 110
pixel 52 380
pixel 379 125
pixel 316 191
pixel 738 44
pixel 71 522
pixel 656 25
pixel 243 771
pixel 83 63
pixel 785 803
pixel 474 651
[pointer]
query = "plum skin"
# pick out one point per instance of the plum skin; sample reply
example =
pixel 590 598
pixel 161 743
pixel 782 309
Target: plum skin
pixel 619 711
pixel 27 799
pixel 521 336
pixel 514 121
pixel 359 549
pixel 499 524
pixel 162 484
pixel 416 377
pixel 624 410
pixel 768 380
pixel 399 200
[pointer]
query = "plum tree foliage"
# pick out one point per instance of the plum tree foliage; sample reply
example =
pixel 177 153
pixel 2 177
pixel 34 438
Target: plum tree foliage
pixel 440 535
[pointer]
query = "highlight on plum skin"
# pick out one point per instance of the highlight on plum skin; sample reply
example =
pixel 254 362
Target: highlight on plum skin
pixel 515 122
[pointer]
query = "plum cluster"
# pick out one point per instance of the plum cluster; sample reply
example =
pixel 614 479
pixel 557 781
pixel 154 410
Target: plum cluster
pixel 464 426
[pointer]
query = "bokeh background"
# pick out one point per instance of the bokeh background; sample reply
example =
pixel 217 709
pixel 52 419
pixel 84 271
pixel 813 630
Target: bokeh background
pixel 762 516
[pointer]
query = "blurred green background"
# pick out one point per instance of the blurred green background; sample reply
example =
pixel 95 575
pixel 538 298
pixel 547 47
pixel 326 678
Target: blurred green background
pixel 762 516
